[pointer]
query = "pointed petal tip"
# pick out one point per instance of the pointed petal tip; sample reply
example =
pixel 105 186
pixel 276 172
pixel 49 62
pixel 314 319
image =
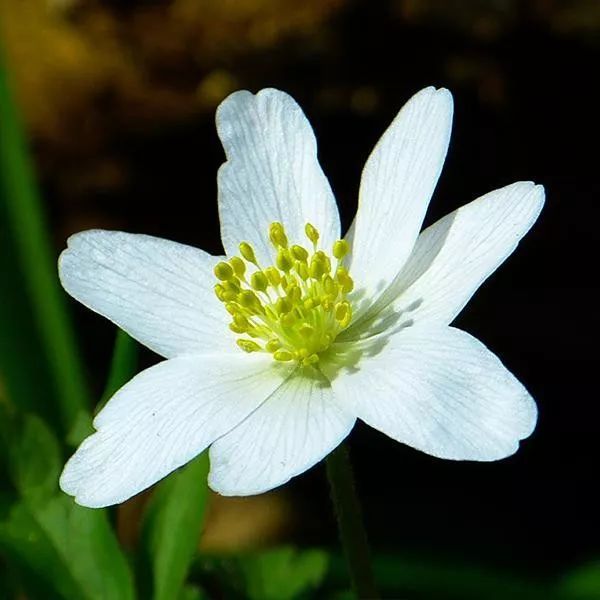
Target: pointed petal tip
pixel 530 418
pixel 536 191
pixel 541 191
pixel 441 95
pixel 238 94
pixel 444 97
pixel 444 93
pixel 69 483
pixel 76 238
pixel 271 91
pixel 244 97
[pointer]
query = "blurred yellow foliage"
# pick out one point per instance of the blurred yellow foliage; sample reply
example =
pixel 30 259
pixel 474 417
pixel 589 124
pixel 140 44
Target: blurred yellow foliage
pixel 81 67
pixel 242 523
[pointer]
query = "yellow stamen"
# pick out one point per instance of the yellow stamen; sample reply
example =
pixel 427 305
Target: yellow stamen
pixel 247 252
pixel 277 235
pixel 340 249
pixel 311 233
pixel 283 260
pixel 283 355
pixel 248 346
pixel 299 253
pixel 238 266
pixel 293 309
pixel 259 281
pixel 273 276
pixel 223 271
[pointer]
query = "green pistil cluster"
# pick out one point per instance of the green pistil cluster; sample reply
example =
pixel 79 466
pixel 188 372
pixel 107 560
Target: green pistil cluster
pixel 293 309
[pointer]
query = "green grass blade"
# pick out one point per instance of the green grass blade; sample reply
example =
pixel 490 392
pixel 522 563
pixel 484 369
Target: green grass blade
pixel 24 374
pixel 36 260
pixel 172 526
pixel 122 367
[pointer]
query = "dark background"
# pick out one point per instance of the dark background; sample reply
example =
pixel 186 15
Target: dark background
pixel 525 84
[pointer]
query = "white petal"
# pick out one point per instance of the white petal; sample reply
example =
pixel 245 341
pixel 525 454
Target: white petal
pixel 294 429
pixel 271 173
pixel 453 257
pixel 163 418
pixel 441 391
pixel 160 292
pixel 397 183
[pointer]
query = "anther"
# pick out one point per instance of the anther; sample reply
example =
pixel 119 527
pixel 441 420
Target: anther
pixel 343 313
pixel 219 291
pixel 310 360
pixel 311 233
pixel 259 281
pixel 310 303
pixel 241 321
pixel 283 305
pixel 273 345
pixel 340 249
pixel 283 260
pixel 294 293
pixel 238 266
pixel 247 252
pixel 302 270
pixel 299 253
pixel 228 296
pixel 248 299
pixel 273 276
pixel 318 266
pixel 248 346
pixel 344 280
pixel 223 271
pixel 277 235
pixel 327 302
pixel 233 285
pixel 283 356
pixel 329 285
pixel 306 330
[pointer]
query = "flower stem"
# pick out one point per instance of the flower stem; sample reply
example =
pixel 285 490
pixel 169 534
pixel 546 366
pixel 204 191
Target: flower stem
pixel 350 525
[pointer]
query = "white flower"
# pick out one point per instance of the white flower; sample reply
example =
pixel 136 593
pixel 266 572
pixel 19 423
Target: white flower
pixel 306 333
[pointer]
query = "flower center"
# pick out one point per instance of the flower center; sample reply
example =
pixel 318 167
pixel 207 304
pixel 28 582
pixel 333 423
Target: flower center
pixel 293 309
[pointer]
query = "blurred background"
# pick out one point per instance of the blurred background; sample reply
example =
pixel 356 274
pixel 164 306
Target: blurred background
pixel 117 100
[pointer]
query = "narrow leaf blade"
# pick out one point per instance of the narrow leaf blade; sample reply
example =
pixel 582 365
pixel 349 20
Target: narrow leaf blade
pixel 172 526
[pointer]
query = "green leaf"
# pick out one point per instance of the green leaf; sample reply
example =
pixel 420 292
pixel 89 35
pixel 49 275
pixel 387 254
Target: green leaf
pixel 283 573
pixel 583 583
pixel 172 526
pixel 68 549
pixel 59 546
pixel 35 259
pixel 30 551
pixel 275 574
pixel 192 593
pixel 411 575
pixel 35 461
